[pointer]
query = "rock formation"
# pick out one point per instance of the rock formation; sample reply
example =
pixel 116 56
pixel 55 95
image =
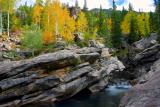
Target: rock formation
pixel 55 76
pixel 145 65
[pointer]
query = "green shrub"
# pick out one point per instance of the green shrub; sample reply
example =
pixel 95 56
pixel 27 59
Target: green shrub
pixel 88 36
pixel 32 40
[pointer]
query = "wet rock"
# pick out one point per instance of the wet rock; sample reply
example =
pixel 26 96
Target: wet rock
pixel 100 85
pixel 108 67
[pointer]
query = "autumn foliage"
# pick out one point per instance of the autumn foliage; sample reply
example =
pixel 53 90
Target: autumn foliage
pixel 58 23
pixel 81 23
pixel 48 37
pixel 37 10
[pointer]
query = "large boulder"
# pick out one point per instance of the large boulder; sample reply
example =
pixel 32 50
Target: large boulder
pixel 140 64
pixel 96 44
pixel 105 53
pixel 145 66
pixel 145 42
pixel 148 55
pixel 57 60
pixel 108 67
pixel 145 95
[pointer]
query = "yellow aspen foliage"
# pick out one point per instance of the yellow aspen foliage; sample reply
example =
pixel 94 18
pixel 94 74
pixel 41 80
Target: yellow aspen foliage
pixel 143 24
pixel 52 16
pixel 48 24
pixel 37 11
pixel 109 24
pixel 16 24
pixel 56 19
pixel 48 37
pixel 68 26
pixel 125 24
pixel 8 5
pixel 81 23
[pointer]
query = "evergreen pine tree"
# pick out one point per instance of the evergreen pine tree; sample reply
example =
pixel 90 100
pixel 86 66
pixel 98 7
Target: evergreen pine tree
pixel 130 7
pixel 85 8
pixel 102 25
pixel 157 3
pixel 158 13
pixel 151 22
pixel 133 36
pixel 124 12
pixel 116 29
pixel 133 33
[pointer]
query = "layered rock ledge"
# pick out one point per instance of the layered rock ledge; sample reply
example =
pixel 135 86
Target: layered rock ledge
pixel 55 76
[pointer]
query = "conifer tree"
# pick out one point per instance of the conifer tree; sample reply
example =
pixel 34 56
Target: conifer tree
pixel 124 12
pixel 116 30
pixel 102 24
pixel 133 35
pixel 85 8
pixel 133 31
pixel 157 3
pixel 152 22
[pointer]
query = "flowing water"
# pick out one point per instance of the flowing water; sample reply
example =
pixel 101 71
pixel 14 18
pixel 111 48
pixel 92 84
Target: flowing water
pixel 110 97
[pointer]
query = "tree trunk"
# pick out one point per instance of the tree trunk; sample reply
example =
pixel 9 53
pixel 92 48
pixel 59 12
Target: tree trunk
pixel 56 28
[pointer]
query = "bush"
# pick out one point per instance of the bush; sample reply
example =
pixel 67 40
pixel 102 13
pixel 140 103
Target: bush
pixel 88 36
pixel 32 40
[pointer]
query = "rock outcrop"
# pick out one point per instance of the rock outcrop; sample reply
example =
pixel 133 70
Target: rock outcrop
pixel 143 61
pixel 145 42
pixel 146 94
pixel 145 65
pixel 55 76
pixel 141 57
